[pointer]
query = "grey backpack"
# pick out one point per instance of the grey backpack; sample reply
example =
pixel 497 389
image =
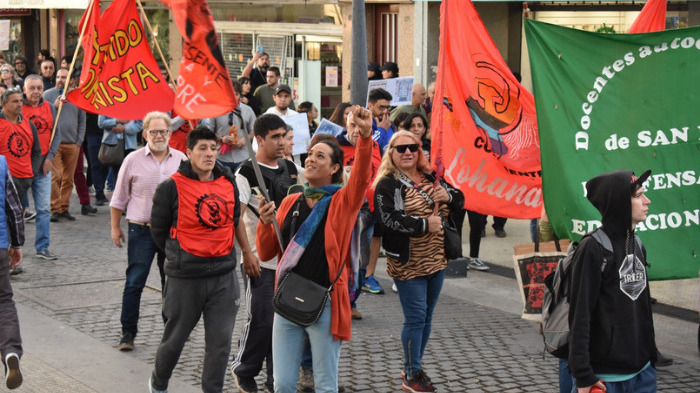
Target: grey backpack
pixel 555 305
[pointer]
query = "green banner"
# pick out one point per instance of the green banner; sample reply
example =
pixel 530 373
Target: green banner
pixel 622 101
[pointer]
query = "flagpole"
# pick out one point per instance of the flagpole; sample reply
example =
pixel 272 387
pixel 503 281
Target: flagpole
pixel 70 69
pixel 160 52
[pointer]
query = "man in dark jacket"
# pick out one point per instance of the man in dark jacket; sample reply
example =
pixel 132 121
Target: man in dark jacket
pixel 194 218
pixel 612 330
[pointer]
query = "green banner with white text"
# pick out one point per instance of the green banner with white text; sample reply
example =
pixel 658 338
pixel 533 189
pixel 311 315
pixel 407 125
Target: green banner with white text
pixel 622 101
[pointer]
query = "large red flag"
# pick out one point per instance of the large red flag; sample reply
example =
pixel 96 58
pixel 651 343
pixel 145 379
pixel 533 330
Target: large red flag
pixel 652 18
pixel 203 85
pixel 484 123
pixel 120 76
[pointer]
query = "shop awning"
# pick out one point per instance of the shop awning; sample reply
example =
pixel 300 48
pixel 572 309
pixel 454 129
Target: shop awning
pixel 42 4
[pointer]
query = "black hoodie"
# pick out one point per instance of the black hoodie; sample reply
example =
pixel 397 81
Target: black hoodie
pixel 612 330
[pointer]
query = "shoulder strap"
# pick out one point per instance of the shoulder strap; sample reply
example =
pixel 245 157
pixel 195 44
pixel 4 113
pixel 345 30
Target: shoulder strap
pixel 602 238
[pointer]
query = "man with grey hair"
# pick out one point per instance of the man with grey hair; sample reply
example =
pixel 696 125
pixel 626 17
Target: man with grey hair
pixel 140 174
pixel 42 114
pixel 71 128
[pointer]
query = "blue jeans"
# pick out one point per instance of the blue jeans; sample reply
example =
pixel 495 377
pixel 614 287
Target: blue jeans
pixel 140 250
pixel 418 298
pixel 644 382
pixel 41 189
pixel 288 345
pixel 566 381
pixel 230 165
pixel 98 172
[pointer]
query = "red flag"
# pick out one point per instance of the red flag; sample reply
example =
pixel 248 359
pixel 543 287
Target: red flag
pixel 203 85
pixel 484 123
pixel 120 76
pixel 652 18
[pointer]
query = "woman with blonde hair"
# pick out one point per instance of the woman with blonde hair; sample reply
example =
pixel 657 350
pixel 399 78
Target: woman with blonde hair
pixel 9 76
pixel 411 205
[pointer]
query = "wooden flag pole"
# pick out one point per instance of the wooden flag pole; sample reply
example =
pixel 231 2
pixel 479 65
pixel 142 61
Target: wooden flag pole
pixel 88 12
pixel 160 52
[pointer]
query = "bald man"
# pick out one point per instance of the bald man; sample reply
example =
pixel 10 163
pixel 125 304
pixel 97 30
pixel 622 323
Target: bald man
pixel 417 101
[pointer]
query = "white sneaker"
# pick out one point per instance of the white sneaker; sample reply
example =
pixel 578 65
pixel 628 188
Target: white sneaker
pixel 151 389
pixel 13 372
pixel 477 264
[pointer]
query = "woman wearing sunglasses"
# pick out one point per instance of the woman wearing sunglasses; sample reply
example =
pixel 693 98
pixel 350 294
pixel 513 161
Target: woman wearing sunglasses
pixel 411 206
pixel 9 77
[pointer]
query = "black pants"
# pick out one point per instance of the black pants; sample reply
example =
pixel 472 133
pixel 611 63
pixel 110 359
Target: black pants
pixel 499 222
pixel 255 344
pixel 477 223
pixel 10 339
pixel 185 301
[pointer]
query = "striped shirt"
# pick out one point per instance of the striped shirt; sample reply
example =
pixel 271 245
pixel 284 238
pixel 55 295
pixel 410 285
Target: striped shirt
pixel 427 251
pixel 138 178
pixel 14 212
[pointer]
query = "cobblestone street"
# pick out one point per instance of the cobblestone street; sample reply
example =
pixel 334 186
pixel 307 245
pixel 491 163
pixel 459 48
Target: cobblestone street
pixel 473 348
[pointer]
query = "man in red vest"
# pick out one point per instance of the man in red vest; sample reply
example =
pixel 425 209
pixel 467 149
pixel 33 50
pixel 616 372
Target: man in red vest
pixel 20 145
pixel 194 218
pixel 42 115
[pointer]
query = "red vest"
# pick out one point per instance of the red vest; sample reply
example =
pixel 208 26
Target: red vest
pixel 42 118
pixel 16 141
pixel 205 216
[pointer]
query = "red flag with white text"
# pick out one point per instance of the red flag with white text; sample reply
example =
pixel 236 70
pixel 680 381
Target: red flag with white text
pixel 483 121
pixel 652 18
pixel 203 85
pixel 120 76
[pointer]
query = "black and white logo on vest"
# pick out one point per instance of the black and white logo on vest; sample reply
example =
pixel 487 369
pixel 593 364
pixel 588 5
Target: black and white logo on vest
pixel 633 277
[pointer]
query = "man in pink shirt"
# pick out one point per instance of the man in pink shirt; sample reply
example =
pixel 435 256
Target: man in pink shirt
pixel 140 174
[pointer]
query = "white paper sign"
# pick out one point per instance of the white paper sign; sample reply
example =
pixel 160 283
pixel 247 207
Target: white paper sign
pixel 5 34
pixel 302 136
pixel 328 127
pixel 401 89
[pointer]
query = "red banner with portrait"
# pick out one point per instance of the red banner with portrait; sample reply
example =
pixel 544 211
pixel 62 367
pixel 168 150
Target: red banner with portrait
pixel 120 77
pixel 483 121
pixel 203 84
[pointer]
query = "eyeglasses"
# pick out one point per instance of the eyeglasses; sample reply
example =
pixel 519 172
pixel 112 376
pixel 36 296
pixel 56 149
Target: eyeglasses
pixel 156 132
pixel 384 107
pixel 413 147
pixel 4 71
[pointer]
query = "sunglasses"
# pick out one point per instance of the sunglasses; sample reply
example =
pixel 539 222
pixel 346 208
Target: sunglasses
pixel 413 147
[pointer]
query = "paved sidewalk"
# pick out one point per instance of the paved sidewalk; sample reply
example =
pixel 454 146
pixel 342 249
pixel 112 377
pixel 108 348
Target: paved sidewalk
pixel 69 312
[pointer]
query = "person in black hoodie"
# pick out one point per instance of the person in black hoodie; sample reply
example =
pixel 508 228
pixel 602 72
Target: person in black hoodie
pixel 612 330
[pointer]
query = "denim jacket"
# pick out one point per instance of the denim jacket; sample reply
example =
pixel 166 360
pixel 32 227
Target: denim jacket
pixel 132 129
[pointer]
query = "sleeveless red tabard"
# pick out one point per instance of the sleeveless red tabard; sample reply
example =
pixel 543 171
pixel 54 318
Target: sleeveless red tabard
pixel 16 146
pixel 42 118
pixel 205 216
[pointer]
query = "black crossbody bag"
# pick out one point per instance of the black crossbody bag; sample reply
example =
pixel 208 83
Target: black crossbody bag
pixel 297 298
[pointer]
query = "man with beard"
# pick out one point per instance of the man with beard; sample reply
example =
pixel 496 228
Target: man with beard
pixel 256 70
pixel 21 67
pixel 282 98
pixel 42 114
pixel 265 93
pixel 71 128
pixel 140 174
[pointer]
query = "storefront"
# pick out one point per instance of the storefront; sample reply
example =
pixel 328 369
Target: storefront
pixel 304 41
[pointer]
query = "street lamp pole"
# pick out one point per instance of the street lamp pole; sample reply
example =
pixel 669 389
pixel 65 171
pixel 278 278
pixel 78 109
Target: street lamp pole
pixel 358 68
